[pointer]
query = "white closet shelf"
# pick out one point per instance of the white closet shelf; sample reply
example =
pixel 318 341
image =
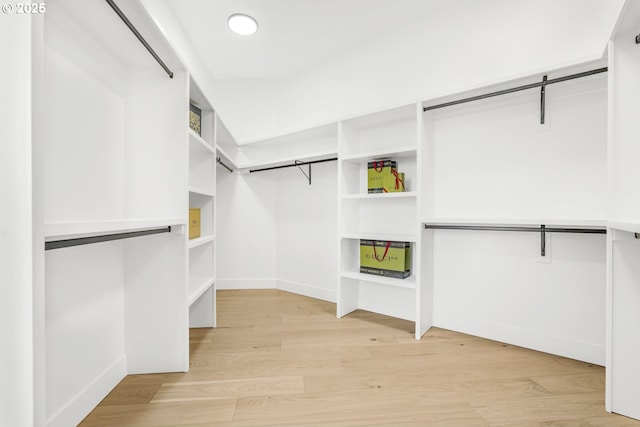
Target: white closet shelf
pixel 198 144
pixel 395 153
pixel 76 229
pixel 198 286
pixel 409 282
pixel 630 226
pixel 201 191
pixel 366 196
pixel 194 243
pixel 280 161
pixel 549 222
pixel 378 236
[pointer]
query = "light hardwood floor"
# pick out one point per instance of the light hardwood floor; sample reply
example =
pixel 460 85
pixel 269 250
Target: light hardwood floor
pixel 279 359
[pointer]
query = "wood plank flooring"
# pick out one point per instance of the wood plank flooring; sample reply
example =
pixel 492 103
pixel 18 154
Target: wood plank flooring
pixel 279 359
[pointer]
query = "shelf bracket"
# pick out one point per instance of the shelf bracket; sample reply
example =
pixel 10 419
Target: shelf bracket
pixel 297 163
pixel 543 90
pixel 543 240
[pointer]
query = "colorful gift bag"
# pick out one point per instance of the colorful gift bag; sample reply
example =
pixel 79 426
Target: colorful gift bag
pixel 385 258
pixel 377 170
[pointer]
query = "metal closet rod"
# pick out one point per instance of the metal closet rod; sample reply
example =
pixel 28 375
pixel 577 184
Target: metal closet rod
pixel 65 243
pixel 220 162
pixel 515 228
pixel 135 31
pixel 541 84
pixel 296 164
pixel 543 230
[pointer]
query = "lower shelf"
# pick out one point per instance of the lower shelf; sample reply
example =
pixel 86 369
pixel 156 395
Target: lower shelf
pixel 198 286
pixel 409 282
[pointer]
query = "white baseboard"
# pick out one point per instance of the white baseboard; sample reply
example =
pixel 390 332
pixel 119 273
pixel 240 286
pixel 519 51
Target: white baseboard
pixel 285 285
pixel 88 398
pixel 246 284
pixel 308 290
pixel 535 340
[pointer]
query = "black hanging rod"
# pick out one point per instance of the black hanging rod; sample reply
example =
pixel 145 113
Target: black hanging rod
pixel 135 31
pixel 515 228
pixel 65 243
pixel 543 229
pixel 540 84
pixel 296 164
pixel 220 162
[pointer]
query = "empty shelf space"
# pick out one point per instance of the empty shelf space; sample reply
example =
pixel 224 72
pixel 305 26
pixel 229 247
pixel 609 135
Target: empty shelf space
pixel 201 191
pixel 198 144
pixel 198 286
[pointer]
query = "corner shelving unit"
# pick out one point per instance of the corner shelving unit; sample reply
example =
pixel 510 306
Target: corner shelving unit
pixel 391 134
pixel 623 245
pixel 201 294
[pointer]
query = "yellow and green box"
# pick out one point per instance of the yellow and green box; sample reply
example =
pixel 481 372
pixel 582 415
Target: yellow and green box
pixel 194 223
pixel 377 172
pixel 385 258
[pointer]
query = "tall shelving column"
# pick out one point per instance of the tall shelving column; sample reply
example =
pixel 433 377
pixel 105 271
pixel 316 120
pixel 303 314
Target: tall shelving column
pixel 623 245
pixel 111 148
pixel 202 195
pixel 391 134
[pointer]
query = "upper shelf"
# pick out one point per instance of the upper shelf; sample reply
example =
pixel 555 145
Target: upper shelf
pixel 630 226
pixel 69 230
pixel 370 196
pixel 380 236
pixel 394 153
pixel 198 145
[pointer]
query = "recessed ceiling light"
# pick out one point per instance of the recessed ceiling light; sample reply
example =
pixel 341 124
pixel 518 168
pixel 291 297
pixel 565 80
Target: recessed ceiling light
pixel 242 24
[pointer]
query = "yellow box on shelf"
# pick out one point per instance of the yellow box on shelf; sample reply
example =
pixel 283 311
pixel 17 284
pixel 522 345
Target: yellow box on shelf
pixel 194 223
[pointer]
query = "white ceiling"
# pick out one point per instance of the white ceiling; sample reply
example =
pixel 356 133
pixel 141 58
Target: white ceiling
pixel 293 35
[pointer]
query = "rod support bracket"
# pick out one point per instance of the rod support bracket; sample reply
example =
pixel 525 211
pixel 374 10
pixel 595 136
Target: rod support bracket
pixel 638 39
pixel 543 90
pixel 308 176
pixel 543 240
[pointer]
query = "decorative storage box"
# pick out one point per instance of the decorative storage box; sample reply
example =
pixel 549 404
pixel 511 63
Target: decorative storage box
pixel 385 258
pixel 194 223
pixel 377 171
pixel 195 119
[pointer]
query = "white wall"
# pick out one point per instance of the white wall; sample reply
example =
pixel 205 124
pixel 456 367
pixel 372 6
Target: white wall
pixel 493 285
pixel 493 160
pixel 468 45
pixel 246 230
pixel 16 274
pixel 276 231
pixel 307 226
